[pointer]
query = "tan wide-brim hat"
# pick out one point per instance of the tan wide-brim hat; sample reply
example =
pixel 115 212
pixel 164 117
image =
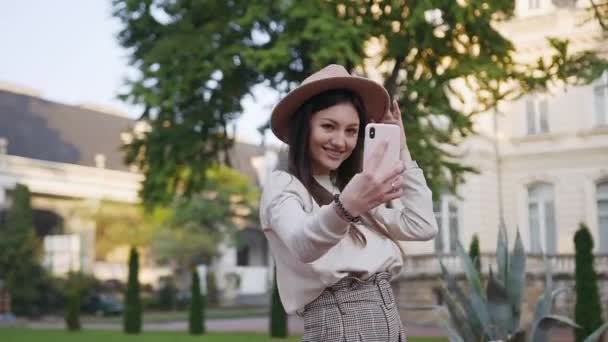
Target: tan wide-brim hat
pixel 374 96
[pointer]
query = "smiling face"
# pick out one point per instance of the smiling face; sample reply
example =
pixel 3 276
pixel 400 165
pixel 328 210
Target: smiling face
pixel 333 136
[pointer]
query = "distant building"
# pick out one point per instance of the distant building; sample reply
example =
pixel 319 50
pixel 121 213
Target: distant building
pixel 69 155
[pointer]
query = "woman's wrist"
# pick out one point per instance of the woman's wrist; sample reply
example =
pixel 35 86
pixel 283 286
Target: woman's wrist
pixel 343 212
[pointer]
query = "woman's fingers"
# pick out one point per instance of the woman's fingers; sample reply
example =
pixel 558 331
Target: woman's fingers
pixel 396 110
pixel 377 155
pixel 393 172
pixel 389 196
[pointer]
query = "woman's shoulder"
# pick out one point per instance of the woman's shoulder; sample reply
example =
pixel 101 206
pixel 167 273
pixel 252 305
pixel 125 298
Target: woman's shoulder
pixel 280 186
pixel 279 181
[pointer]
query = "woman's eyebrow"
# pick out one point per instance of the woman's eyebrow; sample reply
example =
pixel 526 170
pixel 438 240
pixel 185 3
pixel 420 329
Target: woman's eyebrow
pixel 354 124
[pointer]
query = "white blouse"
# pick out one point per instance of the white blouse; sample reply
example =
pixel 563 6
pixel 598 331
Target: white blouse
pixel 310 244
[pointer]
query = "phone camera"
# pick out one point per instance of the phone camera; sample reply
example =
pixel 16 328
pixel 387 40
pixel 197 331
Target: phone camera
pixel 372 132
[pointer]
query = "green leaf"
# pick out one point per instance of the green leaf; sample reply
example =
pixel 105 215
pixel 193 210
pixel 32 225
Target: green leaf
pixel 453 336
pixel 499 307
pixel 516 281
pixel 476 297
pixel 473 324
pixel 502 255
pixel 595 336
pixel 458 317
pixel 540 328
pixel 469 270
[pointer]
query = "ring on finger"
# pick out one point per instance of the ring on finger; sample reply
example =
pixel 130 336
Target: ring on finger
pixel 393 187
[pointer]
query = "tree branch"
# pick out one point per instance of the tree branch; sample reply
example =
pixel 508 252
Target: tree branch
pixel 391 83
pixel 598 14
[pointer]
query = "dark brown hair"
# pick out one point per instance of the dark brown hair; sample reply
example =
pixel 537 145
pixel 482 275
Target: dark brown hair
pixel 299 158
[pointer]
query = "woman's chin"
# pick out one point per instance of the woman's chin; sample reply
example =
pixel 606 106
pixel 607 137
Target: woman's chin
pixel 333 165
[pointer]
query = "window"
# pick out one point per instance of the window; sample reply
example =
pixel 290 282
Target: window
pixel 602 215
pixel 600 101
pixel 533 4
pixel 251 248
pixel 537 112
pixel 446 213
pixel 541 219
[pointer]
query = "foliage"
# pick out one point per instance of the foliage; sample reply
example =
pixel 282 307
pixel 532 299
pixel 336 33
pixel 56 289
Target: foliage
pixel 132 314
pixel 19 261
pixel 599 10
pixel 198 224
pixel 197 60
pixel 474 252
pixel 212 296
pixel 197 315
pixel 120 225
pixel 278 317
pixel 587 310
pixel 72 316
pixel 495 314
pixel 167 295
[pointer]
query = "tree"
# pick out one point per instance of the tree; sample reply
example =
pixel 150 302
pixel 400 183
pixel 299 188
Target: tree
pixel 72 316
pixel 121 225
pixel 132 315
pixel 197 310
pixel 76 286
pixel 474 252
pixel 278 317
pixel 19 265
pixel 199 223
pixel 444 60
pixel 587 309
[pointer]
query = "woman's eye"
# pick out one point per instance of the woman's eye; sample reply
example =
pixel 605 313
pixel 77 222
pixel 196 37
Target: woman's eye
pixel 352 131
pixel 327 126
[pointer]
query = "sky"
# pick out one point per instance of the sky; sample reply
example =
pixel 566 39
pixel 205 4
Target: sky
pixel 66 50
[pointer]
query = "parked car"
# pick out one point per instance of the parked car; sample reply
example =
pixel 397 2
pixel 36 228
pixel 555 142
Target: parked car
pixel 101 304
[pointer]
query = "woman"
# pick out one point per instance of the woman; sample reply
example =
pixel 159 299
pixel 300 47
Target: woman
pixel 333 239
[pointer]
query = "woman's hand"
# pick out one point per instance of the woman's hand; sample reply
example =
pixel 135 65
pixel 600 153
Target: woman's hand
pixel 373 187
pixel 393 116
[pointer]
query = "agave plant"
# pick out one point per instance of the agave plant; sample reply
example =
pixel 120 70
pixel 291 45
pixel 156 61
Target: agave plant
pixel 495 314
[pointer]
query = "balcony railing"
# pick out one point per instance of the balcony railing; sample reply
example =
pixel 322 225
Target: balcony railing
pixel 428 265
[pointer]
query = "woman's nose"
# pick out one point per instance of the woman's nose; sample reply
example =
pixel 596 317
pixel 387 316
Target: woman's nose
pixel 338 139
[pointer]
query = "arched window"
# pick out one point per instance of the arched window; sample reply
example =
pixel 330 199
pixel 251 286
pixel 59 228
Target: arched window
pixel 252 249
pixel 602 215
pixel 446 213
pixel 541 218
pixel 600 101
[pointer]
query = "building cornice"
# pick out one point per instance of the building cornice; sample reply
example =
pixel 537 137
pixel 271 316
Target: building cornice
pixel 61 179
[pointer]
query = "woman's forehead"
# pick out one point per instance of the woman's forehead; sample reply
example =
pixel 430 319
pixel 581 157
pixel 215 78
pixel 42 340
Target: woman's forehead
pixel 341 113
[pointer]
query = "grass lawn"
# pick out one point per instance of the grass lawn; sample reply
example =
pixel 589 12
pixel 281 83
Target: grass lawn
pixel 28 335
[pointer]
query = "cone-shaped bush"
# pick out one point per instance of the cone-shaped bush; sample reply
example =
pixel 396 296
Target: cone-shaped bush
pixel 474 252
pixel 72 316
pixel 132 315
pixel 196 317
pixel 278 317
pixel 587 310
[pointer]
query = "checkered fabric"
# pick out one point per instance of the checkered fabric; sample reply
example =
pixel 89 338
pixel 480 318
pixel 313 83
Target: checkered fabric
pixel 355 310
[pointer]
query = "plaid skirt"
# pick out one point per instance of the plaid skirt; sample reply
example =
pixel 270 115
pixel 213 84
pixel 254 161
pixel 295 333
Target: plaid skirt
pixel 355 310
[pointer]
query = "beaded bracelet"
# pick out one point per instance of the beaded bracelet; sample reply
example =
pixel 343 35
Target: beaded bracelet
pixel 343 212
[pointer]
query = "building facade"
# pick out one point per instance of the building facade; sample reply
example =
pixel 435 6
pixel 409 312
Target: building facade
pixel 544 170
pixel 70 158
